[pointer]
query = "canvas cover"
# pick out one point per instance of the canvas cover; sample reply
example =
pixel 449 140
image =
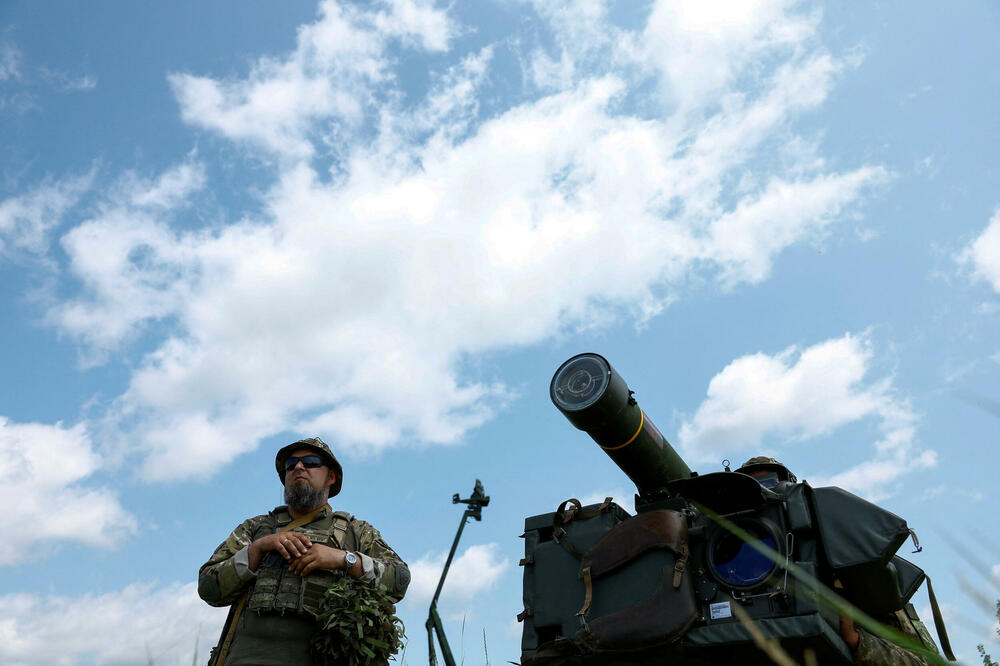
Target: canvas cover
pixel 855 532
pixel 860 540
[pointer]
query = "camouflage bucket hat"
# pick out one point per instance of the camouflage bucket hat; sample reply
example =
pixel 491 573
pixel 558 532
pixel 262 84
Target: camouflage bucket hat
pixel 763 462
pixel 320 447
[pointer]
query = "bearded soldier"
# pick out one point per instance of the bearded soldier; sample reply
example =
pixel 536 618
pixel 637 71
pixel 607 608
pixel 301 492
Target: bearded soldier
pixel 274 569
pixel 866 648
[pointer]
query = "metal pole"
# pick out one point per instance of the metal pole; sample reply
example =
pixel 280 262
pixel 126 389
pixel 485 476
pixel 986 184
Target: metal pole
pixel 434 626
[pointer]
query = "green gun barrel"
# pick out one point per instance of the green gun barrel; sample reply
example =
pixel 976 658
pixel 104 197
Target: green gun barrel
pixel 595 399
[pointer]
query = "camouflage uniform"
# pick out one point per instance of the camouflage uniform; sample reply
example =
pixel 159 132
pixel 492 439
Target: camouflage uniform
pixel 875 651
pixel 279 616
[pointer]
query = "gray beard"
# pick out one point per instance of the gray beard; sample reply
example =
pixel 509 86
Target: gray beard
pixel 303 497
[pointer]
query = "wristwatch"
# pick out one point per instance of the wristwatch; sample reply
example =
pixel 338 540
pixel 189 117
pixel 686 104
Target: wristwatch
pixel 350 559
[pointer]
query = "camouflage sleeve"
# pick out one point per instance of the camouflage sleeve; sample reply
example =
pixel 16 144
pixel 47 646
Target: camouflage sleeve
pixel 875 651
pixel 390 571
pixel 226 575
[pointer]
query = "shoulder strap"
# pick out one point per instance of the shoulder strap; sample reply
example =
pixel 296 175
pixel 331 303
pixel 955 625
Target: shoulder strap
pixel 341 523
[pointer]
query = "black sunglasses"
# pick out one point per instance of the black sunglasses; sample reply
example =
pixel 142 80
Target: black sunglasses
pixel 309 462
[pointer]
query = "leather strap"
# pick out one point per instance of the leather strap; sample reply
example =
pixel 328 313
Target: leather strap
pixel 588 596
pixel 942 631
pixel 569 511
pixel 679 564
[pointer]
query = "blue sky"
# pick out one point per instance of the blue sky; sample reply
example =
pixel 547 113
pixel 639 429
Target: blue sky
pixel 226 226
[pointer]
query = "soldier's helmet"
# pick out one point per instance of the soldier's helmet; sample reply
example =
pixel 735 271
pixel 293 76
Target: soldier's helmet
pixel 760 463
pixel 320 447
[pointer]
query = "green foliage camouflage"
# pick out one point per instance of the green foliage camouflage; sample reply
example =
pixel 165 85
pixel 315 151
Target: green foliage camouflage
pixel 987 659
pixel 358 626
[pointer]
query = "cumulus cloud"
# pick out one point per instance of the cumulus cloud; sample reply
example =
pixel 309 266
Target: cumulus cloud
pixel 26 220
pixel 131 265
pixel 983 254
pixel 138 624
pixel 46 472
pixel 476 570
pixel 331 76
pixel 798 394
pixel 350 302
pixel 700 47
pixel 747 253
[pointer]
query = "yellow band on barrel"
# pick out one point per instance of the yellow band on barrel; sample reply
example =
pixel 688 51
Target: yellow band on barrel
pixel 642 419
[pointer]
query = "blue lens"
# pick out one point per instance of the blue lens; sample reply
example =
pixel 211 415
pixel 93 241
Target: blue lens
pixel 738 563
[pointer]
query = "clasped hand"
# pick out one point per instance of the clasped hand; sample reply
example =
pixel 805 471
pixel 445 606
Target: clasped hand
pixel 302 554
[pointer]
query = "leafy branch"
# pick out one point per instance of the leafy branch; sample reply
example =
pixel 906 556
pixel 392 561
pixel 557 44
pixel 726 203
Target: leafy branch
pixel 358 626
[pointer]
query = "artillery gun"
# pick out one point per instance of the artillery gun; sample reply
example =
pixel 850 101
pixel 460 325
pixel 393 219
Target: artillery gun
pixel 705 559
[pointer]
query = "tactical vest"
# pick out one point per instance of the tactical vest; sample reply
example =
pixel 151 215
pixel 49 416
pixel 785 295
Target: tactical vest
pixel 279 590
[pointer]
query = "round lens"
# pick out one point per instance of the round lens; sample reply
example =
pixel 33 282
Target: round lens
pixel 736 562
pixel 581 382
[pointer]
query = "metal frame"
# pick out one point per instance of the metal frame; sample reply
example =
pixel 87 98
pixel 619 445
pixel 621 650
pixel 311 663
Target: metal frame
pixel 476 503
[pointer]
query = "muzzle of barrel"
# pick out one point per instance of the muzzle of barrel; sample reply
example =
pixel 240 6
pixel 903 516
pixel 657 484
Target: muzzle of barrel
pixel 595 399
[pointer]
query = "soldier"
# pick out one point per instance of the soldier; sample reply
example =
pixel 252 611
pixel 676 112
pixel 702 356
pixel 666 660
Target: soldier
pixel 867 648
pixel 768 471
pixel 274 569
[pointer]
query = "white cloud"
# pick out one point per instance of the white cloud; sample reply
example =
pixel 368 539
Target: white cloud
pixel 349 305
pixel 582 33
pixel 10 61
pixel 476 570
pixel 417 21
pixel 136 625
pixel 746 240
pixel 27 219
pixel 622 497
pixel 85 82
pixel 46 477
pixel 701 47
pixel 964 493
pixel 331 76
pixel 66 82
pixel 451 103
pixel 170 189
pixel 983 254
pixel 133 267
pixel 801 394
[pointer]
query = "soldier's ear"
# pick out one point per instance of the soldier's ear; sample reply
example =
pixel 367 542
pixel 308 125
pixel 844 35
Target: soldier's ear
pixel 331 478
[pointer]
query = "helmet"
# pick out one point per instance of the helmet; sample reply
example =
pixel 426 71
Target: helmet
pixel 320 447
pixel 763 462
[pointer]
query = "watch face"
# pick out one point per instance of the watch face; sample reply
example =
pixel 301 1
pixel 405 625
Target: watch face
pixel 351 559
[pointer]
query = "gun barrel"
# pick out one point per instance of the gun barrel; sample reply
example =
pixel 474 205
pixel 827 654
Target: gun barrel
pixel 595 399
